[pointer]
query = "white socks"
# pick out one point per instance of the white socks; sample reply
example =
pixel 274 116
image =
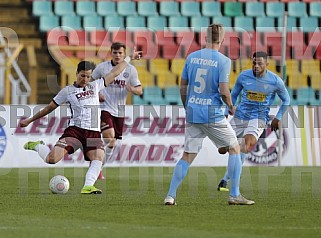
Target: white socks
pixel 108 153
pixel 43 151
pixel 93 172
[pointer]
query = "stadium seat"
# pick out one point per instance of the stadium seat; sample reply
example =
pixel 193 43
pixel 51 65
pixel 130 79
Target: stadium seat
pixel 315 9
pixel 91 23
pixel 113 23
pixel 199 23
pixel 309 24
pixel 156 23
pixel 297 9
pixel 78 38
pixel 126 8
pixel 190 9
pixel 85 8
pixel 275 9
pixel 158 65
pixel 143 40
pixel 148 8
pixel 146 78
pixel 138 100
pixel 166 79
pixel 305 95
pixel 253 41
pixel 211 9
pixel 243 24
pixel 185 38
pixel 296 80
pixel 233 9
pixel 106 8
pixel 168 8
pixel 291 26
pixel 299 50
pixel 164 38
pixel 122 36
pixel 63 8
pixel 153 96
pixel 310 66
pixel 187 49
pixel 315 81
pixel 265 24
pixel 57 37
pixel 272 40
pixel 225 21
pixel 41 8
pixel 48 22
pixel 135 23
pixel 232 79
pixel 178 23
pixel 69 23
pixel 231 45
pixel 99 38
pixel 171 51
pixel 254 9
pixel 172 95
pixel 177 66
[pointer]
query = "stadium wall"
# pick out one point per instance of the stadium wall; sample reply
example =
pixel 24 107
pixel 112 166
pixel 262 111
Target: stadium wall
pixel 154 136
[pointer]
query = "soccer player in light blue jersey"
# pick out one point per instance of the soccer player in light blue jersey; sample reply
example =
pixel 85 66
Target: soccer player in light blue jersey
pixel 204 86
pixel 258 87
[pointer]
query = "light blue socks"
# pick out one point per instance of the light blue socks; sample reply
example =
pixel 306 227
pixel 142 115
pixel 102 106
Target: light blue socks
pixel 234 170
pixel 179 174
pixel 226 176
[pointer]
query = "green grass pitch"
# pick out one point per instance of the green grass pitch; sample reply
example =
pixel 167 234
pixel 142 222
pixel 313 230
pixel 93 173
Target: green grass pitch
pixel 288 204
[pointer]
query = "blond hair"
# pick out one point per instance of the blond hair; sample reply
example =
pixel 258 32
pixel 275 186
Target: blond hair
pixel 215 33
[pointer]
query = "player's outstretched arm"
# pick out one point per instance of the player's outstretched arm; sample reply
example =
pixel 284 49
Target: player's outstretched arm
pixel 49 108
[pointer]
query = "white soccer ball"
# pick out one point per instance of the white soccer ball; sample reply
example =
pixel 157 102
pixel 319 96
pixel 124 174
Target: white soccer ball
pixel 59 184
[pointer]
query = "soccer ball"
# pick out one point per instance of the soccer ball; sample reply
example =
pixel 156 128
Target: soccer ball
pixel 59 184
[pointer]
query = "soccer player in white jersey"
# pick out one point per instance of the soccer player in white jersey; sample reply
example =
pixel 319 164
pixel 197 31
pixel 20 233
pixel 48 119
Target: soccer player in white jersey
pixel 83 131
pixel 259 87
pixel 204 86
pixel 114 96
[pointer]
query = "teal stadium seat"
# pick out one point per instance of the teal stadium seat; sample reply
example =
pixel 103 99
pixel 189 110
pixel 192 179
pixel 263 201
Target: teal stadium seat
pixel 169 9
pixel 71 23
pixel 225 21
pixel 233 9
pixel 64 8
pixel 126 8
pixel 275 9
pixel 135 23
pixel 178 23
pixel 147 8
pixel 305 95
pixel 291 26
pixel 297 9
pixel 254 9
pixel 156 23
pixel 41 8
pixel 138 100
pixel 85 8
pixel 309 24
pixel 172 95
pixel 243 24
pixel 46 23
pixel 91 23
pixel 211 9
pixel 190 9
pixel 315 9
pixel 265 24
pixel 114 23
pixel 106 8
pixel 153 96
pixel 199 23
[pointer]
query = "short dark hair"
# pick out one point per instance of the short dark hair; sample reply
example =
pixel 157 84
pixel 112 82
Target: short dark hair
pixel 260 54
pixel 85 65
pixel 215 33
pixel 117 46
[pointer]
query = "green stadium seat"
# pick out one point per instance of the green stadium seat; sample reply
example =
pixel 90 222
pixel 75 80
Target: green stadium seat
pixel 63 8
pixel 85 8
pixel 178 23
pixel 156 23
pixel 41 8
pixel 114 23
pixel 315 9
pixel 126 8
pixel 291 26
pixel 91 23
pixel 199 23
pixel 233 9
pixel 135 23
pixel 254 9
pixel 297 9
pixel 210 9
pixel 169 9
pixel 46 23
pixel 225 21
pixel 147 8
pixel 265 24
pixel 190 9
pixel 243 24
pixel 309 24
pixel 275 9
pixel 106 8
pixel 71 23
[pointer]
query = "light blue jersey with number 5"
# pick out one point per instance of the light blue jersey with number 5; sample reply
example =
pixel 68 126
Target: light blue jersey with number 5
pixel 204 70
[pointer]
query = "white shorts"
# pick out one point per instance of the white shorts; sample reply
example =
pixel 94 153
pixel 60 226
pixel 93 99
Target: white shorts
pixel 253 127
pixel 220 133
